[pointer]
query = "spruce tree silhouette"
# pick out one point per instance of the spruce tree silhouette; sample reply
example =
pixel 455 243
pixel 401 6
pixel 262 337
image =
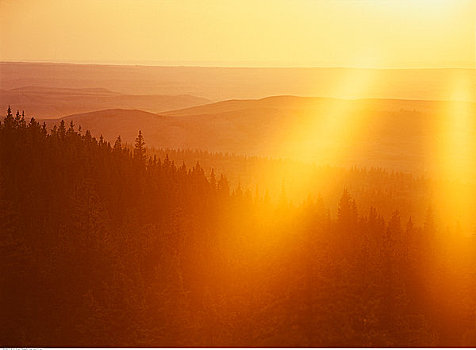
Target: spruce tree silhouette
pixel 139 149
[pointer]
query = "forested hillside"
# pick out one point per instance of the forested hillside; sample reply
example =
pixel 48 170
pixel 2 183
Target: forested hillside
pixel 101 245
pixel 376 187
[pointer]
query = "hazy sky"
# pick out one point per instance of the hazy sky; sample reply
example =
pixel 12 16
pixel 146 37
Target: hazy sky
pixel 362 33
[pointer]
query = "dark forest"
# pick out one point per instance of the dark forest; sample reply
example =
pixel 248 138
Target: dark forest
pixel 107 245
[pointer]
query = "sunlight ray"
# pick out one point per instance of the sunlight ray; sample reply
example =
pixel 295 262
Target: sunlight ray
pixel 454 162
pixel 325 134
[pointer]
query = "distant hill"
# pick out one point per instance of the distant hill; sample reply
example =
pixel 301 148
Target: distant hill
pixel 300 103
pixel 114 122
pixel 62 91
pixel 54 102
pixel 222 83
pixel 395 134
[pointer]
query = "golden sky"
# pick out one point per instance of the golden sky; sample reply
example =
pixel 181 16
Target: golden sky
pixel 350 33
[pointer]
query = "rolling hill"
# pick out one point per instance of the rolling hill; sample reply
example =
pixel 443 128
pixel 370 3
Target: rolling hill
pixel 395 134
pixel 54 102
pixel 224 83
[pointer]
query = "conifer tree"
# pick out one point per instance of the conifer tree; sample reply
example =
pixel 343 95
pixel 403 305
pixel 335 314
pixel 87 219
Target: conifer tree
pixel 213 180
pixel 346 211
pixel 118 144
pixel 139 149
pixel 9 121
pixel 62 129
pixel 71 128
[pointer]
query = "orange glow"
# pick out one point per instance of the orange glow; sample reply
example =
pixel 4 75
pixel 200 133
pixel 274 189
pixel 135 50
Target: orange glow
pixel 155 206
pixel 390 33
pixel 322 134
pixel 455 153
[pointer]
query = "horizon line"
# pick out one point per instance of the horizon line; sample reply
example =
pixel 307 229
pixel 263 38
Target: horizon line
pixel 163 64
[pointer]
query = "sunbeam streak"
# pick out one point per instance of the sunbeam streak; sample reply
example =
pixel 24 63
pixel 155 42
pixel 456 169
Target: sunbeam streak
pixel 455 151
pixel 324 134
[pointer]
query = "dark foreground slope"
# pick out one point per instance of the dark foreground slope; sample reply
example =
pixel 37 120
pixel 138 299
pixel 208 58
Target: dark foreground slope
pixel 103 247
